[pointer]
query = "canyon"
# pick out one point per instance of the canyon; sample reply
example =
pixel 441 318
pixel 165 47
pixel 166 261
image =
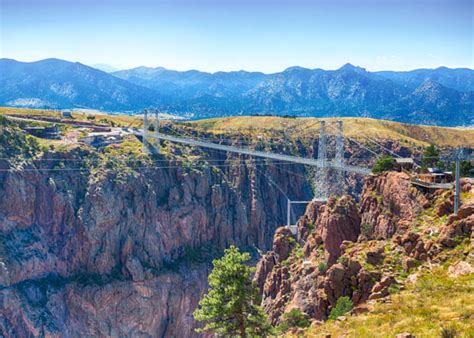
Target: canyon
pixel 119 244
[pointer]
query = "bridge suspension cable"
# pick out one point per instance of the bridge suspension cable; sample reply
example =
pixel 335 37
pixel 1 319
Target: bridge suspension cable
pixel 246 151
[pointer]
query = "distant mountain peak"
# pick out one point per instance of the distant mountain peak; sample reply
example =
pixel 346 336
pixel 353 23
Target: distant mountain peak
pixel 294 68
pixel 149 68
pixel 351 67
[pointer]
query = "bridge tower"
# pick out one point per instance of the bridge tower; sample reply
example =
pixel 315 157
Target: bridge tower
pixel 321 176
pixel 339 157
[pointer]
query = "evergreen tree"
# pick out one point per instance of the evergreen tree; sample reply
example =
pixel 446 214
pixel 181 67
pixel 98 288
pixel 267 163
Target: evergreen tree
pixel 231 306
pixel 384 163
pixel 430 156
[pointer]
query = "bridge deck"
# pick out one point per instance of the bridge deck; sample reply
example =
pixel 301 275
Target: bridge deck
pixel 251 152
pixel 431 185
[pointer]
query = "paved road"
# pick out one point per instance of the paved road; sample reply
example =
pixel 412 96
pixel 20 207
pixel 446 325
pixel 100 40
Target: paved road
pixel 244 151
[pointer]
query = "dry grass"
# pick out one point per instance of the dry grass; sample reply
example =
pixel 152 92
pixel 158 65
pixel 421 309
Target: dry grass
pixel 353 127
pixel 118 120
pixel 23 112
pixel 434 302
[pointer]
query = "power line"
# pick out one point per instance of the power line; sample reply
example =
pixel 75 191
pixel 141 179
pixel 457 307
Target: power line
pixel 142 167
pixel 288 171
pixel 137 160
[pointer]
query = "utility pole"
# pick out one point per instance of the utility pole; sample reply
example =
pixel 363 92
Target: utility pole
pixel 157 121
pixel 457 191
pixel 145 131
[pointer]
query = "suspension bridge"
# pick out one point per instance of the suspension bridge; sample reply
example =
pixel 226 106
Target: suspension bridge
pixel 321 162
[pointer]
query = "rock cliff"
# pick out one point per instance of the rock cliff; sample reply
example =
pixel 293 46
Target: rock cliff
pixel 112 250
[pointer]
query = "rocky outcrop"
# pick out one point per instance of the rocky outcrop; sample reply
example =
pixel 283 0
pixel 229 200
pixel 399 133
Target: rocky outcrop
pixel 286 285
pixel 332 258
pixel 389 204
pixel 458 226
pixel 337 221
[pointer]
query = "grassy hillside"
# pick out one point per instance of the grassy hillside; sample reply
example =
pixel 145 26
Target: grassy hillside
pixel 357 128
pixel 353 127
pixel 118 120
pixel 434 303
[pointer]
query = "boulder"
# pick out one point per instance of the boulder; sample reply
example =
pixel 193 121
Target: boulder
pixel 375 255
pixel 283 243
pixel 460 269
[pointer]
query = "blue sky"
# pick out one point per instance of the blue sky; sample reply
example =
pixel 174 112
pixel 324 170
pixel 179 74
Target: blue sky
pixel 265 35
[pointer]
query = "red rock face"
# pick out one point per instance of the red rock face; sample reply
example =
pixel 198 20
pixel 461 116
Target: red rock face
pixel 100 255
pixel 126 308
pixel 338 221
pixel 389 203
pixel 308 288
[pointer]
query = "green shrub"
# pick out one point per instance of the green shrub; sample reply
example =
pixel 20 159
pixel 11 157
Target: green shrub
pixel 299 253
pixel 343 260
pixel 4 121
pixel 448 332
pixel 367 229
pixel 343 305
pixel 292 319
pixel 393 289
pixel 384 163
pixel 322 267
pixel 310 225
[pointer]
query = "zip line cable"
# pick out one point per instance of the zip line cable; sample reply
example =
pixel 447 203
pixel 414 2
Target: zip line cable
pixel 273 183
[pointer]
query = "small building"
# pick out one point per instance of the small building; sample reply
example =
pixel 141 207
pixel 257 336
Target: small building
pixel 404 163
pixel 102 139
pixel 433 177
pixel 51 133
pixel 66 114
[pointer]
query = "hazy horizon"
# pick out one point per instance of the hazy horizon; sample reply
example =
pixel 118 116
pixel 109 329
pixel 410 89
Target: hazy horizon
pixel 268 36
pixel 103 65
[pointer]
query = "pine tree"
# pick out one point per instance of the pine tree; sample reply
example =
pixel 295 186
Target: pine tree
pixel 430 156
pixel 384 163
pixel 231 306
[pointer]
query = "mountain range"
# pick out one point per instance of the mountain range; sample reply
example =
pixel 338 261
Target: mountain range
pixel 440 96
